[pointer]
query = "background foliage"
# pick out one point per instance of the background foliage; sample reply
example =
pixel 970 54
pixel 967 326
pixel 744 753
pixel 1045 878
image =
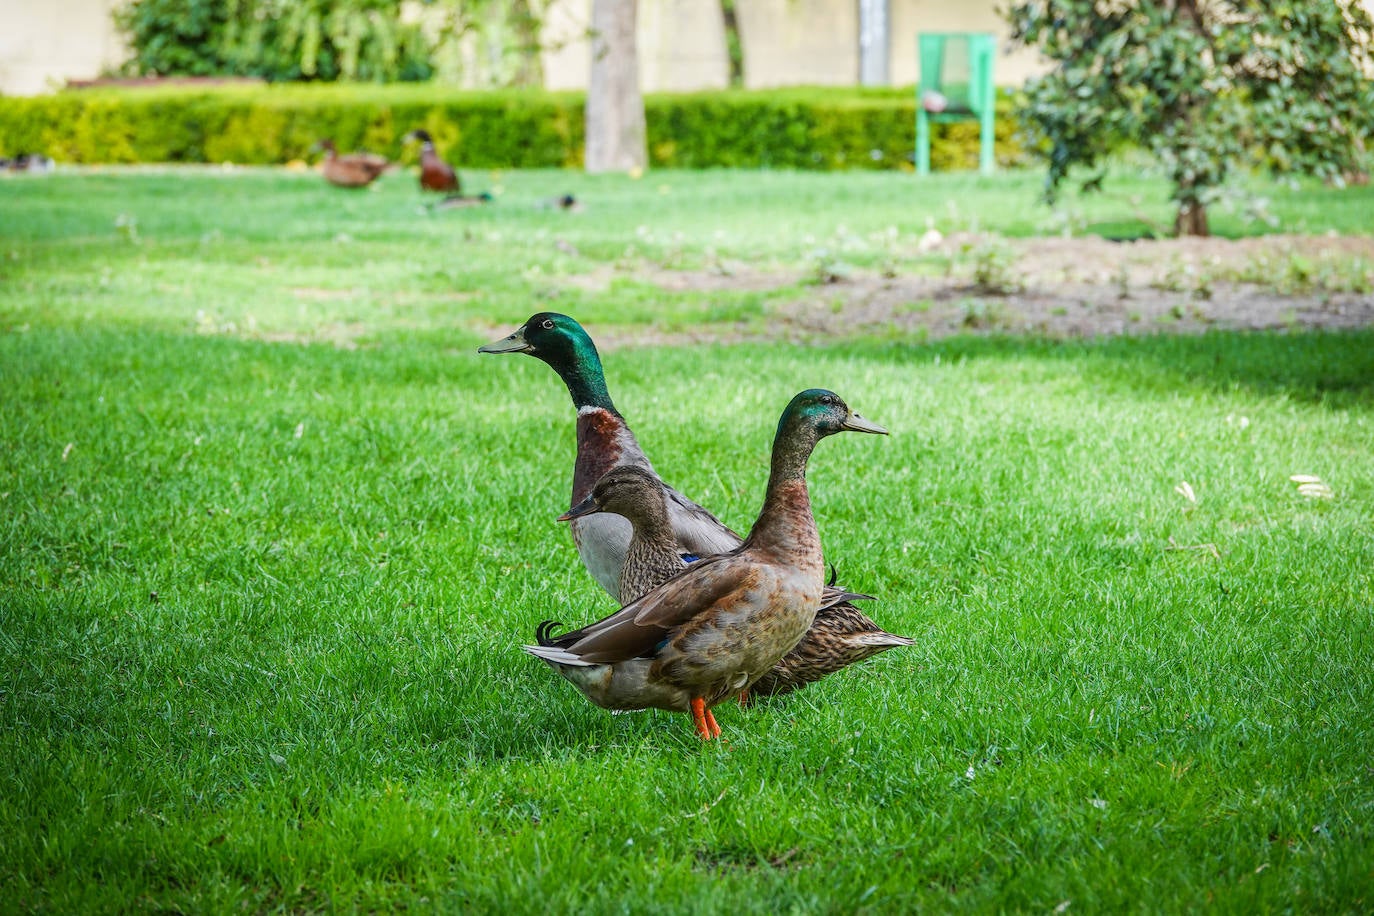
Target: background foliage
pixel 275 39
pixel 1205 87
pixel 325 40
pixel 794 128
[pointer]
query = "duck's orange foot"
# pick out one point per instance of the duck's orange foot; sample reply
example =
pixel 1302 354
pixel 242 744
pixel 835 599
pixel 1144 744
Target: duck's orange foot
pixel 699 714
pixel 744 699
pixel 704 721
pixel 711 724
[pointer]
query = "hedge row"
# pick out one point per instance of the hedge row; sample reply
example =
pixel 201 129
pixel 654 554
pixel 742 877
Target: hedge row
pixel 792 128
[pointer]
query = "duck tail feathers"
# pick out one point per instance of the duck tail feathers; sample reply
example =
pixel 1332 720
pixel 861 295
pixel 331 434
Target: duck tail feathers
pixel 556 656
pixel 543 634
pixel 882 640
pixel 833 596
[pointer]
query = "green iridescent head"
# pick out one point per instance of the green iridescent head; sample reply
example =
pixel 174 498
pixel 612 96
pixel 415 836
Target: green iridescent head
pixel 824 412
pixel 810 417
pixel 560 341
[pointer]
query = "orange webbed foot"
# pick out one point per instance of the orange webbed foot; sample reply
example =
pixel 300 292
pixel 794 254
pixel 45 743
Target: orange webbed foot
pixel 699 714
pixel 711 724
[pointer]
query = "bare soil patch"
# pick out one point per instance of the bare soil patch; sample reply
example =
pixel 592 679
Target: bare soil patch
pixel 1059 288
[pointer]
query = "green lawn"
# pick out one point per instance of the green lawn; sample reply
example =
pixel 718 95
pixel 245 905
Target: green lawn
pixel 262 594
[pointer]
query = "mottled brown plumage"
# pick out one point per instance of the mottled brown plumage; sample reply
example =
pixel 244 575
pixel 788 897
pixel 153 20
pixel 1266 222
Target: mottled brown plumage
pixel 840 636
pixel 725 621
pixel 636 495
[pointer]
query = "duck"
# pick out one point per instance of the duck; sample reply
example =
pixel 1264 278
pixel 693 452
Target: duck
pixel 435 173
pixel 566 202
pixel 35 163
pixel 724 621
pixel 355 170
pixel 459 201
pixel 840 634
pixel 652 556
pixel 842 637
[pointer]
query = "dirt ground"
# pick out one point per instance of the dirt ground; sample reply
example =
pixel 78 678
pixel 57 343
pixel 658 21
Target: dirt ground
pixel 1064 288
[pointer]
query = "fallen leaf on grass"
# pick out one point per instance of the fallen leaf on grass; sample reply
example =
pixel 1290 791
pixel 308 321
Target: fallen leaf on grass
pixel 1312 487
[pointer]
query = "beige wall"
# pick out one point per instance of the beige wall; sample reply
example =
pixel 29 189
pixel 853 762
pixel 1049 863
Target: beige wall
pixel 44 43
pixel 786 42
pixel 799 42
pixel 911 17
pixel 681 45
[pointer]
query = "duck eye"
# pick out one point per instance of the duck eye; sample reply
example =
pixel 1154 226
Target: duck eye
pixel 547 324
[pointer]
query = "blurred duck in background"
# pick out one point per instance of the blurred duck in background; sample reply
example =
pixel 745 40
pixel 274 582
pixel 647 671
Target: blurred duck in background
pixel 356 170
pixel 34 163
pixel 435 173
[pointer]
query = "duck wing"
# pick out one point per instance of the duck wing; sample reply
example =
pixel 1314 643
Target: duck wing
pixel 698 532
pixel 639 629
pixel 701 534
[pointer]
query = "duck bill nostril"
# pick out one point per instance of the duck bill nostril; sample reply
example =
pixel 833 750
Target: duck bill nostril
pixel 586 507
pixel 515 343
pixel 857 424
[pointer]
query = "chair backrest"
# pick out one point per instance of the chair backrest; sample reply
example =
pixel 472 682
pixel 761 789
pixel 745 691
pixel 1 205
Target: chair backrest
pixel 956 72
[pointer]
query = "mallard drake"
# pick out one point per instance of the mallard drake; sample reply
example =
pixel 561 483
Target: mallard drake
pixel 435 173
pixel 725 621
pixel 356 170
pixel 604 441
pixel 841 633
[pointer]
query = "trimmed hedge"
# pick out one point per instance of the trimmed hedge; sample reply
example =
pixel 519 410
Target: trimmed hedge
pixel 791 128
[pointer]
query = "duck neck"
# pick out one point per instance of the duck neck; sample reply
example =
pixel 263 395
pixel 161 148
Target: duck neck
pixel 581 372
pixel 603 441
pixel 652 557
pixel 785 523
pixel 651 527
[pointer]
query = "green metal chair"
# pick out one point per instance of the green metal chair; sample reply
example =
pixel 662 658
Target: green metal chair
pixel 956 85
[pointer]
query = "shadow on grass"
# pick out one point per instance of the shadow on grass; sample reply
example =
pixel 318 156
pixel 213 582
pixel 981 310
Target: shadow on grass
pixel 1331 368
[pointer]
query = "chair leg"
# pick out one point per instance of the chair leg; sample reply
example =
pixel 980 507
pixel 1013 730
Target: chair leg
pixel 922 141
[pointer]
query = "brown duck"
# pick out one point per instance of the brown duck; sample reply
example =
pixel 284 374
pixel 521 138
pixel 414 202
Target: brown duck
pixel 724 622
pixel 356 170
pixel 652 557
pixel 435 173
pixel 840 635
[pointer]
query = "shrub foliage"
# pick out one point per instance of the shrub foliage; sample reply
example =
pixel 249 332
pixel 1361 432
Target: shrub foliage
pixel 804 129
pixel 1205 87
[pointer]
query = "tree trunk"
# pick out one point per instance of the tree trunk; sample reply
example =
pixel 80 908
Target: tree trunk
pixel 1191 219
pixel 615 108
pixel 734 45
